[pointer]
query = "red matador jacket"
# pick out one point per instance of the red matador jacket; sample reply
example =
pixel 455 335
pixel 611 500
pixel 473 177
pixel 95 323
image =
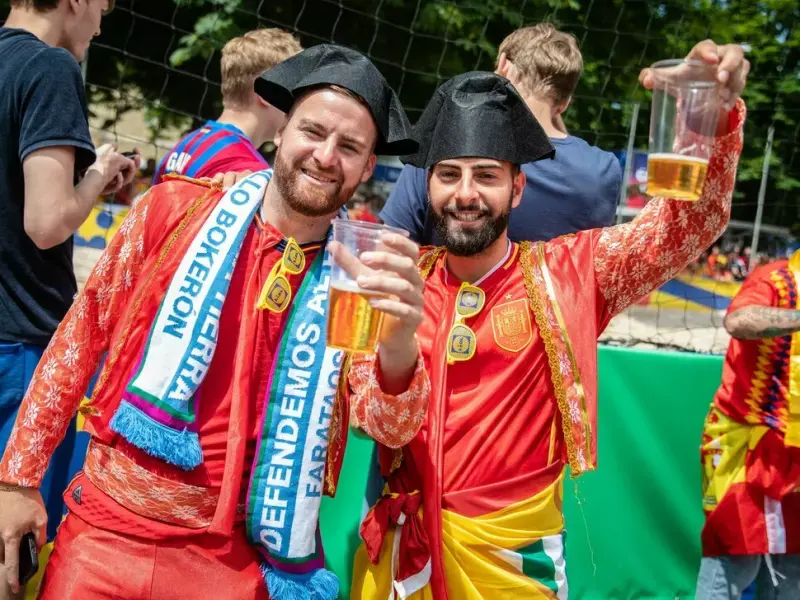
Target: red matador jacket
pixel 475 498
pixel 114 313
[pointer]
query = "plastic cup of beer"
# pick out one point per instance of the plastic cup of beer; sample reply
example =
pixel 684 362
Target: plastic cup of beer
pixel 683 120
pixel 353 325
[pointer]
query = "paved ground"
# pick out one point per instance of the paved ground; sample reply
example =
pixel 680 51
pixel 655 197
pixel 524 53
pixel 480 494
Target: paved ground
pixel 639 326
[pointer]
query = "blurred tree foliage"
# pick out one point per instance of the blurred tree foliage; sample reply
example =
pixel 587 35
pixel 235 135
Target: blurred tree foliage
pixel 162 56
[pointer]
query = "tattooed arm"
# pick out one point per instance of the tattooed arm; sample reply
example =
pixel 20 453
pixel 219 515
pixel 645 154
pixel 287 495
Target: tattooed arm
pixel 754 322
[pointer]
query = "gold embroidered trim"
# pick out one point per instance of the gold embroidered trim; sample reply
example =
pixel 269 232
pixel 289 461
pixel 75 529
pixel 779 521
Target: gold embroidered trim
pixel 427 260
pixel 425 264
pixel 88 409
pixel 336 423
pixel 205 183
pixel 587 433
pixel 552 355
pixel 397 460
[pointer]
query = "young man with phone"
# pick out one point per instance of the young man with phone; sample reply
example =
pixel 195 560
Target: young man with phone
pixel 50 178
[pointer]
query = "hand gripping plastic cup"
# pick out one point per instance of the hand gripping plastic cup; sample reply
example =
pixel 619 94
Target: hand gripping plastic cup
pixel 353 325
pixel 683 120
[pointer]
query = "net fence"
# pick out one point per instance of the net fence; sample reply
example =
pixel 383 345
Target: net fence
pixel 153 74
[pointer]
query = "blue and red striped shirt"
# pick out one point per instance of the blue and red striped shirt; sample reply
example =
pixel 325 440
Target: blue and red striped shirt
pixel 214 148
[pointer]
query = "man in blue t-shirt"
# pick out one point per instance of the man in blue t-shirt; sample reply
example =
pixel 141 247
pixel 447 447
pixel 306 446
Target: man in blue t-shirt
pixel 577 190
pixel 50 178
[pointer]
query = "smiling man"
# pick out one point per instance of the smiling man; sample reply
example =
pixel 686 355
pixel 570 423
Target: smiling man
pixel 218 421
pixel 576 191
pixel 509 338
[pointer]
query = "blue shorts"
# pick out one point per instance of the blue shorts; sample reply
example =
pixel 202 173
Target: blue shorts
pixel 17 363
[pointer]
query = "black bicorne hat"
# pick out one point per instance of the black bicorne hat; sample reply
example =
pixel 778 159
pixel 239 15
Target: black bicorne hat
pixel 478 114
pixel 330 64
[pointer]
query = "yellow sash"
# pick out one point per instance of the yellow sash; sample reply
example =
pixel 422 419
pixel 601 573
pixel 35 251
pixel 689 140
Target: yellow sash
pixel 516 552
pixel 792 436
pixel 724 454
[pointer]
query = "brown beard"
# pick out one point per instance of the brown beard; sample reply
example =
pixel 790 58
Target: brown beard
pixel 313 202
pixel 462 243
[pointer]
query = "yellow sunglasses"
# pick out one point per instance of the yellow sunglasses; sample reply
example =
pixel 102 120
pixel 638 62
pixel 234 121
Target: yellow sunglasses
pixel 276 295
pixel 462 341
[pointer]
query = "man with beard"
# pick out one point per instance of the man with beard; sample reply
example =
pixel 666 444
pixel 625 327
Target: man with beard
pixel 576 191
pixel 472 507
pixel 220 417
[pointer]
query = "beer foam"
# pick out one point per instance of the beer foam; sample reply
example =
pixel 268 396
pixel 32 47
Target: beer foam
pixel 676 157
pixel 348 285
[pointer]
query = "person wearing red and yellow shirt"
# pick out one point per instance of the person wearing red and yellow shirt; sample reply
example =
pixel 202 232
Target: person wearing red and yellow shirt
pixel 750 449
pixel 472 507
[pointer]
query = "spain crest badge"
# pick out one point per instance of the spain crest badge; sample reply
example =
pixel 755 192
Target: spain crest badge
pixel 511 325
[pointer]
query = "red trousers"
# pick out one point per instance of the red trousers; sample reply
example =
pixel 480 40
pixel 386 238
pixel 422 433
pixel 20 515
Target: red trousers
pixel 88 563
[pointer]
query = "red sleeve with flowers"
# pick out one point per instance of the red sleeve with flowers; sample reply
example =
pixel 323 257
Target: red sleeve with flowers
pixel 633 259
pixel 73 355
pixel 390 420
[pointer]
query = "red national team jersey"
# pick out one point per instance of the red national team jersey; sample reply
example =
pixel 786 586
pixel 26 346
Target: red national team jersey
pixel 214 148
pixel 755 378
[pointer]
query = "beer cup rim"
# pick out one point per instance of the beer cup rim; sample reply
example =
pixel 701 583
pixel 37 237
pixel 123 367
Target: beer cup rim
pixel 698 66
pixel 365 226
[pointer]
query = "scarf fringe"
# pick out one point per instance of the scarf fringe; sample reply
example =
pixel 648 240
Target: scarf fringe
pixel 179 448
pixel 319 584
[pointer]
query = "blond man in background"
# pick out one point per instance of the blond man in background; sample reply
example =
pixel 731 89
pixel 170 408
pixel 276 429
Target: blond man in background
pixel 575 191
pixel 247 121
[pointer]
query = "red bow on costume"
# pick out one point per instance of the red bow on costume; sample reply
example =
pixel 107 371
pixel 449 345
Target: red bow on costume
pixel 392 510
